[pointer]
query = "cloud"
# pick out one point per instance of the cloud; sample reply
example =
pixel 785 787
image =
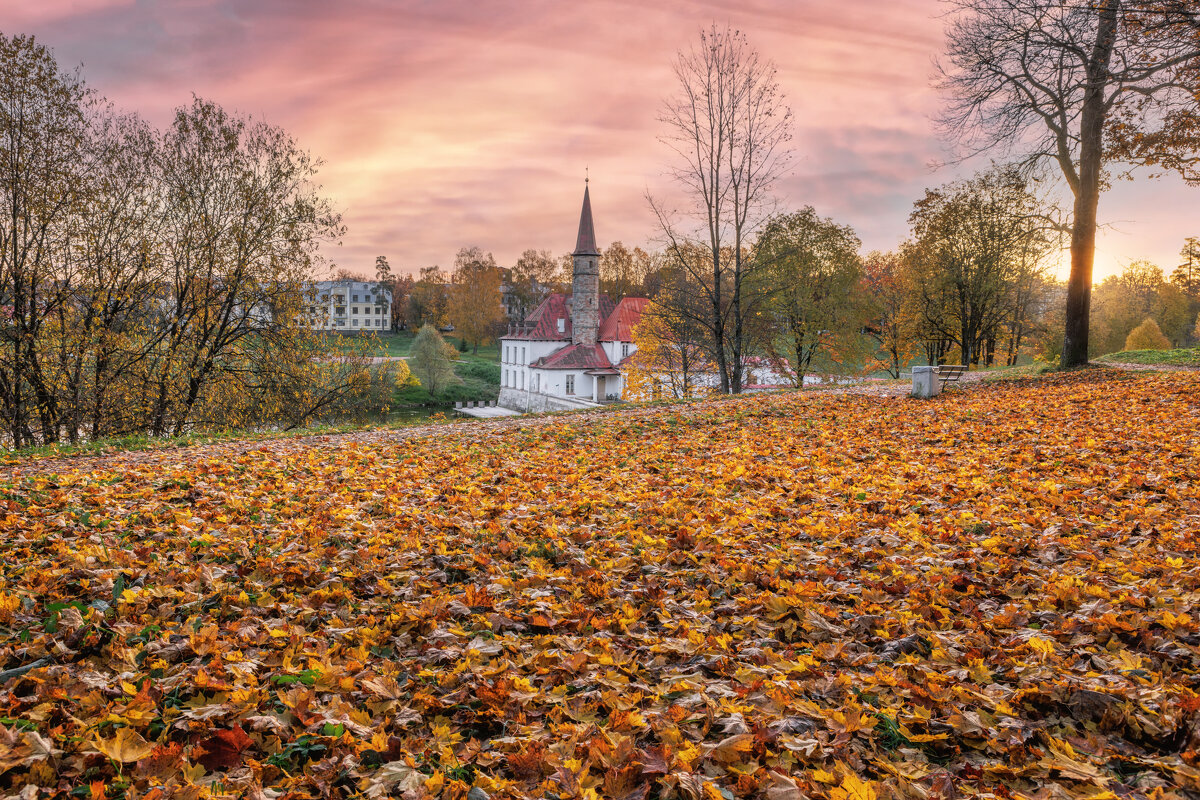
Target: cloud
pixel 455 123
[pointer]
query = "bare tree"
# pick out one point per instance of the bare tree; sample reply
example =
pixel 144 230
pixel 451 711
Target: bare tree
pixel 1045 78
pixel 532 279
pixel 43 129
pixel 729 127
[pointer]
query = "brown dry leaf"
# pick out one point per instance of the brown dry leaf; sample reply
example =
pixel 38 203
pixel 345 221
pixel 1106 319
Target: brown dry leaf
pixel 223 750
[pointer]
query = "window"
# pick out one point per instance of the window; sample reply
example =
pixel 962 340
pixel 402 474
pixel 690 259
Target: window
pixel 562 325
pixel 505 381
pixel 522 380
pixel 356 323
pixel 366 298
pixel 356 298
pixel 522 355
pixel 354 309
pixel 624 351
pixel 570 384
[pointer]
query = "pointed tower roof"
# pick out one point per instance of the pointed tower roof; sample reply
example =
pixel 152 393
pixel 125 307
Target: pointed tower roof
pixel 585 243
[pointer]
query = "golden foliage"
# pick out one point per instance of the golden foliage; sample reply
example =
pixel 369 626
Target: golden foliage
pixel 786 596
pixel 669 362
pixel 1147 336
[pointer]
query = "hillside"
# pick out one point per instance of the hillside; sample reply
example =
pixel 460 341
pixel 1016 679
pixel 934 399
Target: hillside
pixel 802 595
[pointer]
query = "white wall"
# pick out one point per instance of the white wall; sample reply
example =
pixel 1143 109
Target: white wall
pixel 616 351
pixel 515 357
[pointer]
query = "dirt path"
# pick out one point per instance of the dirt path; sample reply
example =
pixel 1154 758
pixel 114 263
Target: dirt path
pixel 1149 367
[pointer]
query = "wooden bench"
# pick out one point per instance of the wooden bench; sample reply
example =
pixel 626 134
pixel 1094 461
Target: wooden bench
pixel 948 373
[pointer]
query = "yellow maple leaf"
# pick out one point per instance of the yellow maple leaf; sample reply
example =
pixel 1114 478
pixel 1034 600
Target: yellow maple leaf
pixel 1044 647
pixel 854 789
pixel 822 776
pixel 126 747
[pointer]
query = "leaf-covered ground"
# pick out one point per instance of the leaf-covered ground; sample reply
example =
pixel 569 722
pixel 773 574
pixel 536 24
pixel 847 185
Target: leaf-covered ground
pixel 994 593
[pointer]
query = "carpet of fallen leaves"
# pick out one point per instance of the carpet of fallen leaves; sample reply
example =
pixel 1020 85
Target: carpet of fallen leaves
pixel 994 593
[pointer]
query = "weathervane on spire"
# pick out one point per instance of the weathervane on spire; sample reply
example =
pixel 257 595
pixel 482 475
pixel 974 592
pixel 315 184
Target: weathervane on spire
pixel 585 173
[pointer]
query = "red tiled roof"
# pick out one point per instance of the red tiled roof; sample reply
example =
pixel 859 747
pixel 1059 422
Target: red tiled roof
pixel 575 356
pixel 542 324
pixel 618 326
pixel 585 242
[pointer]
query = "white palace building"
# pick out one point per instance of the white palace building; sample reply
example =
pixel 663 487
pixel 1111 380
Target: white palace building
pixel 569 353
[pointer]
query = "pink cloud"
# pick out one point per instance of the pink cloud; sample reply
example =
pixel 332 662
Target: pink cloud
pixel 455 123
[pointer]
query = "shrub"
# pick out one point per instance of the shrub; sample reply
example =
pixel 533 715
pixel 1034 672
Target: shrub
pixel 1147 336
pixel 431 361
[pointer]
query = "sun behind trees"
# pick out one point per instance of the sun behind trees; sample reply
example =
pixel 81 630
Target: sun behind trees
pixel 1091 88
pixel 154 281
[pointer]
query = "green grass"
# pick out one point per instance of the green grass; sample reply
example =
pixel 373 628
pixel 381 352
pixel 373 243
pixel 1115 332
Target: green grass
pixel 139 443
pixel 479 373
pixel 1031 370
pixel 1184 357
pixel 389 345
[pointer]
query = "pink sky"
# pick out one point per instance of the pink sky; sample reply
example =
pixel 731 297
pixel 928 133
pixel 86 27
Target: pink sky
pixel 448 123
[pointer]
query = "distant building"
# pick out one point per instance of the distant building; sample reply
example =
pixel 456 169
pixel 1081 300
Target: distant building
pixel 350 306
pixel 571 350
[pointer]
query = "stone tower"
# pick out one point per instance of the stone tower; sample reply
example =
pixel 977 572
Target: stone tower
pixel 585 281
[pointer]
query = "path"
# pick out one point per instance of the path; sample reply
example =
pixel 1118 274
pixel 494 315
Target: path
pixel 488 412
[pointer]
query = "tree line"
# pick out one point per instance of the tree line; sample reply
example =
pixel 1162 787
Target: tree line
pixel 479 299
pixel 153 281
pixel 973 284
pixel 1064 96
pixel 1070 94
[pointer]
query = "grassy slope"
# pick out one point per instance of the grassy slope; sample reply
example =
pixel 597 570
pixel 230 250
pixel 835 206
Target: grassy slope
pixel 478 371
pixel 1174 358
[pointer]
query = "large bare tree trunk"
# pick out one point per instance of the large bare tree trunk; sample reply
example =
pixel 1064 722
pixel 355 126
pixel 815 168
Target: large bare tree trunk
pixel 1087 196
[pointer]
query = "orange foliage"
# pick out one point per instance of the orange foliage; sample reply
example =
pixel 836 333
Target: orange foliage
pixel 994 591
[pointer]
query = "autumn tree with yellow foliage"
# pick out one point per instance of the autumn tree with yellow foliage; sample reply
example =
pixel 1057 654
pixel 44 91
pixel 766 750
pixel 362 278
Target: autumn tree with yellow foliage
pixel 156 281
pixel 475 309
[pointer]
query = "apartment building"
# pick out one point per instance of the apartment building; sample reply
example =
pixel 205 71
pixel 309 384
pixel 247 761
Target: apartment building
pixel 350 306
